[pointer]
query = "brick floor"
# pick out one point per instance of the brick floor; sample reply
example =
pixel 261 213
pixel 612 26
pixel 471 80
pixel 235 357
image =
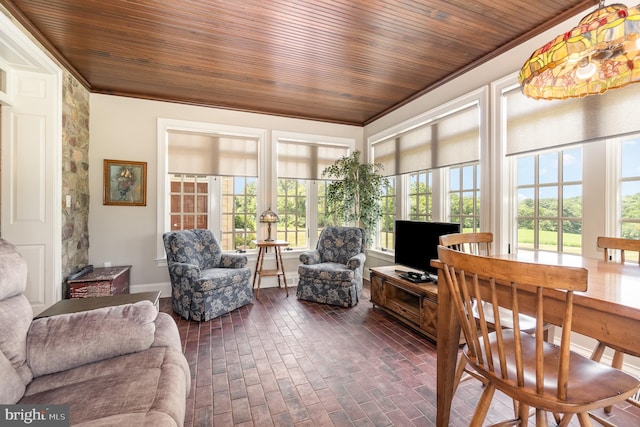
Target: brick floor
pixel 284 362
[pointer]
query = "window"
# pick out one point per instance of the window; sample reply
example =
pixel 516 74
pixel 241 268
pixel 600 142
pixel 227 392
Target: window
pixel 208 178
pixel 388 202
pixel 236 219
pixel 549 201
pixel 420 196
pixel 301 190
pixel 464 196
pixel 239 205
pixel 293 195
pixel 292 210
pixel 228 164
pixel 189 202
pixel 528 128
pixel 326 213
pixel 417 155
pixel 630 190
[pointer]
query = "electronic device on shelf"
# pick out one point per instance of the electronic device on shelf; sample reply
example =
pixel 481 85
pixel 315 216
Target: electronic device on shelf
pixel 416 244
pixel 414 276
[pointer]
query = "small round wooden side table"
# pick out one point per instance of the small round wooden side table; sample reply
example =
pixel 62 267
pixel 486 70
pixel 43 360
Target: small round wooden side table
pixel 263 247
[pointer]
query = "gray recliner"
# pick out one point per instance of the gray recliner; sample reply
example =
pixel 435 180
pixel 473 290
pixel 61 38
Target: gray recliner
pixel 117 365
pixel 206 283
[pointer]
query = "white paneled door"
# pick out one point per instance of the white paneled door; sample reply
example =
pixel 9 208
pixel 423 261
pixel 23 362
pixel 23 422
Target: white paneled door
pixel 30 205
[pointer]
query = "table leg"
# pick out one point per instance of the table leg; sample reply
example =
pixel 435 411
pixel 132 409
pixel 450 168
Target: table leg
pixel 258 271
pixel 447 351
pixel 278 256
pixel 281 268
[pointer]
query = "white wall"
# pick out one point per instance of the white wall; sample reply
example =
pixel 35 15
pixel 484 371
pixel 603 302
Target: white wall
pixel 125 129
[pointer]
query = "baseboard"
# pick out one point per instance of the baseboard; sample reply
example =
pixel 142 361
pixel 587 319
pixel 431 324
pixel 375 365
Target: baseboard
pixel 164 288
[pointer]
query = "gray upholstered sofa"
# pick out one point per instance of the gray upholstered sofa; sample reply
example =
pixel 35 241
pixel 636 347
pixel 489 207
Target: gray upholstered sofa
pixel 119 365
pixel 205 282
pixel 332 273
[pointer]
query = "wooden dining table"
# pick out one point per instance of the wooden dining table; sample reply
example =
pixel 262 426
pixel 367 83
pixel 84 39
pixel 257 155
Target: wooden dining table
pixel 608 311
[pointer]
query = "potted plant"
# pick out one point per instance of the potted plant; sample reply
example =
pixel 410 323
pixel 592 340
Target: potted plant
pixel 356 192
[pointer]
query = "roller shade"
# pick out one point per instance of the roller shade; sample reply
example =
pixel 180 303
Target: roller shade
pixel 458 138
pixel 533 125
pixel 451 139
pixel 194 153
pixel 384 153
pixel 306 160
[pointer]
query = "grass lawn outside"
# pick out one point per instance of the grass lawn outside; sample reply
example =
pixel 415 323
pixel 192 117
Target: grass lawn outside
pixel 549 241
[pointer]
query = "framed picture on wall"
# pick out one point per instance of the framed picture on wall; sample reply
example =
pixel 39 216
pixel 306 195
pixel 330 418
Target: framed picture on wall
pixel 125 183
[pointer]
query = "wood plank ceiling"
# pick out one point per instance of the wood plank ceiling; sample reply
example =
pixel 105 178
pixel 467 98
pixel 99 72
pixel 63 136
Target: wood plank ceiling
pixel 342 61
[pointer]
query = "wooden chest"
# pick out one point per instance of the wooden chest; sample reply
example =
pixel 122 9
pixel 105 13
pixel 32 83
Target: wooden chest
pixel 101 282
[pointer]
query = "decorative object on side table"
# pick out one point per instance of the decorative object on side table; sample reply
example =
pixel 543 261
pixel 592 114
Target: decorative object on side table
pixel 269 217
pixel 125 183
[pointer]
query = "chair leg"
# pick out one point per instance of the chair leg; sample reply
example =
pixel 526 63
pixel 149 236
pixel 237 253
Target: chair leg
pixel 584 419
pixel 601 420
pixel 563 421
pixel 618 358
pixel 541 418
pixel 523 413
pixel 598 352
pixel 483 406
pixel 460 369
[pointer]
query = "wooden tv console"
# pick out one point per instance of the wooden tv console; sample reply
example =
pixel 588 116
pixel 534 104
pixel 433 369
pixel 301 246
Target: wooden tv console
pixel 414 304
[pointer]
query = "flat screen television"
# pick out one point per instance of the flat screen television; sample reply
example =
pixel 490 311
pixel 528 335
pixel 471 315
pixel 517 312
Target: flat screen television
pixel 416 244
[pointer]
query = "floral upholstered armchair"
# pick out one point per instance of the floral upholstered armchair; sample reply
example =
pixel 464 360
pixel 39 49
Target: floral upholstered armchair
pixel 205 282
pixel 332 274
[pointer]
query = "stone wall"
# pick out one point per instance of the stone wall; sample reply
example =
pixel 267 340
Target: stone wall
pixel 75 175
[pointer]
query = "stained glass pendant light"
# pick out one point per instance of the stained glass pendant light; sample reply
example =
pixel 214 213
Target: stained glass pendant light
pixel 602 52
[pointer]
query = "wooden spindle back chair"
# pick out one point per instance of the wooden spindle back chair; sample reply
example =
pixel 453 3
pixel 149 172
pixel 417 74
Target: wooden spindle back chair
pixel 533 372
pixel 609 245
pixel 479 243
pixel 472 243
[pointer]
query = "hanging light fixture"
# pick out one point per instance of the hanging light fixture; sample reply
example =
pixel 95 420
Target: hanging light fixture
pixel 602 52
